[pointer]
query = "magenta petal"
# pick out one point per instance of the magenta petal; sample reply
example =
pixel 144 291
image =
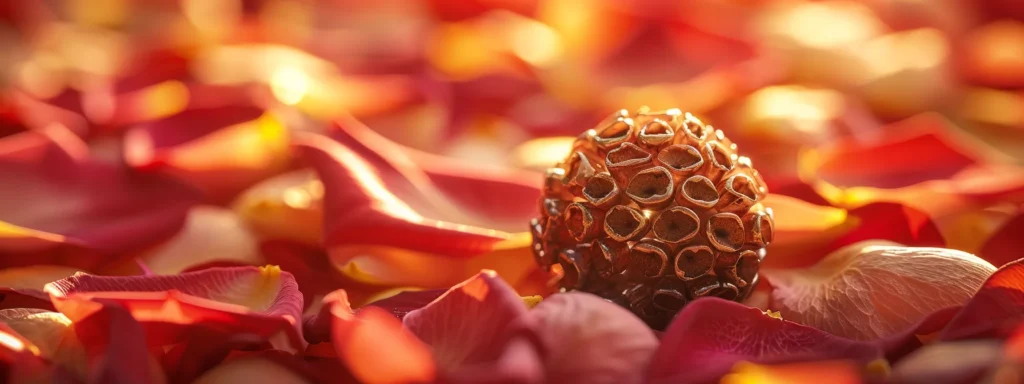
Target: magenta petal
pixel 710 335
pixel 470 323
pixel 589 339
pixel 996 310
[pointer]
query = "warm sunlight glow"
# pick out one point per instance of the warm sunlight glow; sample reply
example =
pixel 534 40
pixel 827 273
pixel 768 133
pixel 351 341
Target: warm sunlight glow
pixel 827 25
pixel 289 85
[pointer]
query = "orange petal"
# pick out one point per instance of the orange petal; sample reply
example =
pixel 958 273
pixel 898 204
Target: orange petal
pixel 832 371
pixel 376 348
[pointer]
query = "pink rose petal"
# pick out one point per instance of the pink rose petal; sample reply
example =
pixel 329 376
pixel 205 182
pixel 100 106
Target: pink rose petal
pixel 710 335
pixel 470 323
pixel 876 289
pixel 589 339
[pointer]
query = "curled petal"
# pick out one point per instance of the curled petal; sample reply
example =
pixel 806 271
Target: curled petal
pixel 50 333
pixel 711 334
pixel 588 339
pixel 222 150
pixel 469 323
pixel 359 208
pixel 262 301
pixel 210 234
pixel 99 206
pixel 871 290
pixel 996 309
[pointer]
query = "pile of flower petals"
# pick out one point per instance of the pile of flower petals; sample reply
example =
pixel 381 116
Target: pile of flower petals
pixel 281 191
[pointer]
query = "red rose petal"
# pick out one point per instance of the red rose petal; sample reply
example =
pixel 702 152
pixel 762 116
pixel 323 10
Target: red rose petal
pixel 246 300
pixel 873 289
pixel 102 208
pixel 996 310
pixel 222 150
pixel 805 233
pixel 1006 244
pixel 483 196
pixel 469 324
pixel 589 339
pixel 710 335
pixel 116 343
pixel 19 358
pixel 915 150
pixel 360 206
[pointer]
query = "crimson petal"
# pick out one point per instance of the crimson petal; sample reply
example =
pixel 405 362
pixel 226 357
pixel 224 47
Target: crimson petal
pixel 996 310
pixel 710 335
pixel 101 207
pixel 1006 243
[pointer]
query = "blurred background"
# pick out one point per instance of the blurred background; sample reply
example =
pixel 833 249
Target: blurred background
pixel 209 91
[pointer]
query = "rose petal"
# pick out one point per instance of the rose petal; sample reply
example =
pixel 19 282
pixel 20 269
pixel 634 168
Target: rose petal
pixel 245 300
pixel 50 333
pixel 360 208
pixel 874 289
pixel 469 324
pixel 310 266
pixel 1006 243
pixel 469 193
pixel 588 339
pixel 996 309
pixel 222 150
pixel 959 362
pixel 101 207
pixel 921 162
pixel 23 287
pixel 20 359
pixel 285 207
pixel 210 234
pixel 250 370
pixel 407 301
pixel 837 372
pixel 386 266
pixel 377 349
pixel 116 346
pixel 805 233
pixel 710 335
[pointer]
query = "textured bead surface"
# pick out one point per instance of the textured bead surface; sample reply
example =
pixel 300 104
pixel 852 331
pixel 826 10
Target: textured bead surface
pixel 652 210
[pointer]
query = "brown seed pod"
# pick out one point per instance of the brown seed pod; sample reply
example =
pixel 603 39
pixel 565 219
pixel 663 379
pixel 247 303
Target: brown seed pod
pixel 652 210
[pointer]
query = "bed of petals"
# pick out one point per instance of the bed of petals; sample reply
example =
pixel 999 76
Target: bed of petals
pixel 309 191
